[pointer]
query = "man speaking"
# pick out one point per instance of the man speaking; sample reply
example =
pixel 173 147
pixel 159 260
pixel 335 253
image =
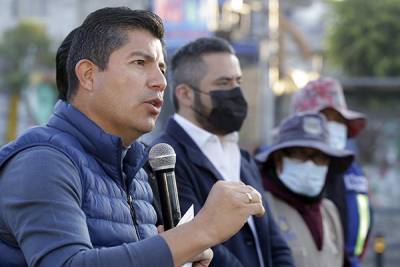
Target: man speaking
pixel 73 192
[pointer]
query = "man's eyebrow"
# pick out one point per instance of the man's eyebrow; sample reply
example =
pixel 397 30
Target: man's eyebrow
pixel 148 57
pixel 226 78
pixel 142 54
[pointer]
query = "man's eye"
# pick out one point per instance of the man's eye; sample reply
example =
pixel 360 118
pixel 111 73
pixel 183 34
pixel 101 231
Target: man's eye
pixel 223 84
pixel 138 62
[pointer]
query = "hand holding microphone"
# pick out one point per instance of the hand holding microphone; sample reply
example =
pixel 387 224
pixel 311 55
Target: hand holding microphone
pixel 227 208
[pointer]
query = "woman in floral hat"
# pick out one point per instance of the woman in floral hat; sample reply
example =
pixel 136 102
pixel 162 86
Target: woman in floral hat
pixel 348 191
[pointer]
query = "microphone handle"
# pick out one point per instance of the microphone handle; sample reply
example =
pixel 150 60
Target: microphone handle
pixel 169 198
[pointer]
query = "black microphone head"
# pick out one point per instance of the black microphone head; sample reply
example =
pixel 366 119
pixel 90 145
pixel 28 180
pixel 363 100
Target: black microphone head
pixel 162 156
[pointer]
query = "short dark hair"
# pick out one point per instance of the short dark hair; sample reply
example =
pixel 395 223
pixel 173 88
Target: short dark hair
pixel 103 32
pixel 187 66
pixel 61 65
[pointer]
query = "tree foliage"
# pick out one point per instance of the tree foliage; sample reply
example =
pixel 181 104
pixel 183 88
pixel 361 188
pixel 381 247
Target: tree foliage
pixel 24 48
pixel 365 37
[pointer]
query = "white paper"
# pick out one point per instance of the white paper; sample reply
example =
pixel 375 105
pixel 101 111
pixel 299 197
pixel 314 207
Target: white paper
pixel 189 215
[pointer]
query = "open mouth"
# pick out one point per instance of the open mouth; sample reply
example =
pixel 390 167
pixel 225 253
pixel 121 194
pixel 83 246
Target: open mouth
pixel 155 102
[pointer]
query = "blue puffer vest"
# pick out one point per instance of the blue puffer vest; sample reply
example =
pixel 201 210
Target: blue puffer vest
pixel 117 210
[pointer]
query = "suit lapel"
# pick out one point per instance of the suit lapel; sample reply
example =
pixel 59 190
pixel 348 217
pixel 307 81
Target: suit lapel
pixel 247 176
pixel 192 151
pixel 250 178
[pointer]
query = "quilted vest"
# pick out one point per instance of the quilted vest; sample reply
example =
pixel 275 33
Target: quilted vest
pixel 118 207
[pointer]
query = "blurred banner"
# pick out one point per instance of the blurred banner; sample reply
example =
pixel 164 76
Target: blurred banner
pixel 186 20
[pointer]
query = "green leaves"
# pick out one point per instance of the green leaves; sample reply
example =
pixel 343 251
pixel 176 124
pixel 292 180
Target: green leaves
pixel 364 39
pixel 24 48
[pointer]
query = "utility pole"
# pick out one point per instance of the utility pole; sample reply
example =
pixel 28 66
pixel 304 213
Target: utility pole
pixel 269 70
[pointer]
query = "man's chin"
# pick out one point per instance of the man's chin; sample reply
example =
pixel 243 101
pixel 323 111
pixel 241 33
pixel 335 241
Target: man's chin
pixel 148 126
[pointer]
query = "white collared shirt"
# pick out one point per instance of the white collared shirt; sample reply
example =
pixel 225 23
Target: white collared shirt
pixel 224 154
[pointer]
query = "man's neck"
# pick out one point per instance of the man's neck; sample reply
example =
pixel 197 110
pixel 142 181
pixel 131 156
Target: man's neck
pixel 126 138
pixel 190 117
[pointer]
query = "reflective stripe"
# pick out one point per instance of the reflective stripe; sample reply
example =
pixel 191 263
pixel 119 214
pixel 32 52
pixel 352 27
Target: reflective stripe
pixel 364 221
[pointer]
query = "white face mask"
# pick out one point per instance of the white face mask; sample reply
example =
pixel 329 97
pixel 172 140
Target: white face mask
pixel 337 134
pixel 303 177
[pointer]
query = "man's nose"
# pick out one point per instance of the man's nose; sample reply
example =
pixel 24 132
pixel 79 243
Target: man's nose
pixel 158 80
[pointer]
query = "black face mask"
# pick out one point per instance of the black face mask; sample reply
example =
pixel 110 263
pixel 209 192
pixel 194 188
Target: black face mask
pixel 229 109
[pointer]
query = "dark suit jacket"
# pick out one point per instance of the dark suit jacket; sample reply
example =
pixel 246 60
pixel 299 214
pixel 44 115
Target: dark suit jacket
pixel 196 175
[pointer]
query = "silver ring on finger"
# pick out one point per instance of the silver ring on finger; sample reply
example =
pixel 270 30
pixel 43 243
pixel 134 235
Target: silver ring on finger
pixel 250 197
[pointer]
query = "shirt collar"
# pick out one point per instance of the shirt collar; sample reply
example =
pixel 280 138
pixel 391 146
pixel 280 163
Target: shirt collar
pixel 124 151
pixel 201 136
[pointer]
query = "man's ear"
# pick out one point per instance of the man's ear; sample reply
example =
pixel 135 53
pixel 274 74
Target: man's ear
pixel 184 94
pixel 85 70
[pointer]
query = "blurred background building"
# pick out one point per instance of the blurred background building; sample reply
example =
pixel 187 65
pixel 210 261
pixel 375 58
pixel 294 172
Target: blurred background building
pixel 282 44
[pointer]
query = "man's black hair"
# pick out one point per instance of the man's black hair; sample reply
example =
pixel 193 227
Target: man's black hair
pixel 61 65
pixel 187 65
pixel 104 31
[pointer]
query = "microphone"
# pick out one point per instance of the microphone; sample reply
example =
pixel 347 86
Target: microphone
pixel 162 160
